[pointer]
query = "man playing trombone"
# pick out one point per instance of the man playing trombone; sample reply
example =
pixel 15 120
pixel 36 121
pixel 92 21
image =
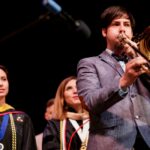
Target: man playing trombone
pixel 115 87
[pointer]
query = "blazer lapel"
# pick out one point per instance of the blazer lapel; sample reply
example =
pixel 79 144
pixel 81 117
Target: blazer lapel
pixel 106 57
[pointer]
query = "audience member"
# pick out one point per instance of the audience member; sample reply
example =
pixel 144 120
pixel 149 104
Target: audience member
pixel 16 131
pixel 49 109
pixel 70 127
pixel 47 116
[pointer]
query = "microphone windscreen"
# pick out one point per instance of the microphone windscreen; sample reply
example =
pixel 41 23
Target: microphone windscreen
pixel 83 29
pixel 52 6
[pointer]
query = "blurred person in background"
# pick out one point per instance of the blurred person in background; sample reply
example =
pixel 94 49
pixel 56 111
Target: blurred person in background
pixel 47 116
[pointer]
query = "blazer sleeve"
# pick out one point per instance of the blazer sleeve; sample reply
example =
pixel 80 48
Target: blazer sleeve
pixel 99 89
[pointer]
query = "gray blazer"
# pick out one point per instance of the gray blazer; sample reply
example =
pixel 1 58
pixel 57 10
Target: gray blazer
pixel 114 118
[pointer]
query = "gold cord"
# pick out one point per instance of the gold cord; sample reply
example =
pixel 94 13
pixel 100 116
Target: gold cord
pixel 61 126
pixel 13 132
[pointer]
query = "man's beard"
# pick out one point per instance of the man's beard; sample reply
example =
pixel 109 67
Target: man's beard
pixel 118 48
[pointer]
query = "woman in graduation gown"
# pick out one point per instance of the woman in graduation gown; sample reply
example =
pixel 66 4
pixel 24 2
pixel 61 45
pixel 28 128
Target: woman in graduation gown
pixel 16 129
pixel 69 128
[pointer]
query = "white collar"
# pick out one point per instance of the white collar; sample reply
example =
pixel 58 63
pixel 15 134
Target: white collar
pixel 82 132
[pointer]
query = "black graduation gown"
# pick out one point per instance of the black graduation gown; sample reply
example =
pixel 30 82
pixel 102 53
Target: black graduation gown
pixel 51 136
pixel 25 137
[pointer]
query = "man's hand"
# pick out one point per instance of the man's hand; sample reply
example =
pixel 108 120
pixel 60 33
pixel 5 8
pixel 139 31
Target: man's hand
pixel 134 68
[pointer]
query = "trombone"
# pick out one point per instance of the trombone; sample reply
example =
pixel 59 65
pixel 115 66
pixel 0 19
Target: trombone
pixel 143 44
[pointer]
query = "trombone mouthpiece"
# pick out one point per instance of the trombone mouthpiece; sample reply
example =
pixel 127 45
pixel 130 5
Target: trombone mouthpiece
pixel 125 40
pixel 142 46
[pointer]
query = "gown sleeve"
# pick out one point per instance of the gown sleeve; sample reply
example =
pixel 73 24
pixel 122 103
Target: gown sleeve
pixel 51 136
pixel 29 142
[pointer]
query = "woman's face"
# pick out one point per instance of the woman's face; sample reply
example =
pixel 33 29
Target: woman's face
pixel 71 95
pixel 4 85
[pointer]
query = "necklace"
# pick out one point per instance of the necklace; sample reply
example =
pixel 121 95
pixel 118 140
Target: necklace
pixel 1 146
pixel 83 133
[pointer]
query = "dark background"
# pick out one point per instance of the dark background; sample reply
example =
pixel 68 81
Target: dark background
pixel 40 49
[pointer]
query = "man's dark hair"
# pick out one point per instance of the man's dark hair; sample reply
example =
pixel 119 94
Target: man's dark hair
pixel 113 12
pixel 50 102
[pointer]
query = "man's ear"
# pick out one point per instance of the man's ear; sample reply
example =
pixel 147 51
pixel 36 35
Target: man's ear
pixel 104 32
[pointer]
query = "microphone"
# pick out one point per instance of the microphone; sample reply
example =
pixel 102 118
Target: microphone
pixel 78 25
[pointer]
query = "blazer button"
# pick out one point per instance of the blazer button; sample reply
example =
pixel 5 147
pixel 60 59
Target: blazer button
pixel 137 117
pixel 133 95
